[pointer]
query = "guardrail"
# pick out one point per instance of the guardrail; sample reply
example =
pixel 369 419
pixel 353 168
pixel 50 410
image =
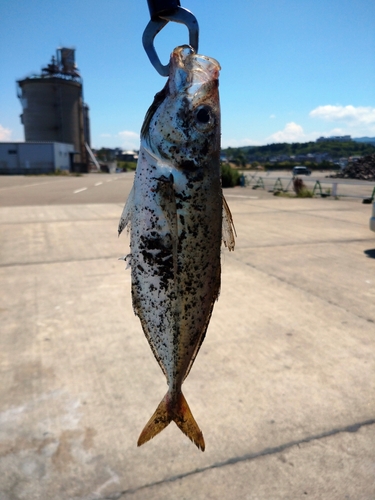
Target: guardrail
pixel 326 187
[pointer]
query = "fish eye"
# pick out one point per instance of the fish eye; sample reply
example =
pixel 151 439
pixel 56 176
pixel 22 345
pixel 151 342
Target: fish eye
pixel 204 117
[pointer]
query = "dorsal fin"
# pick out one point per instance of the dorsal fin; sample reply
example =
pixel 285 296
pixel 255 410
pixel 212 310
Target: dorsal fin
pixel 158 99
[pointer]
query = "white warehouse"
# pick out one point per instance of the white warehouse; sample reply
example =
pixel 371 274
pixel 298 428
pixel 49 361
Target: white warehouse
pixel 35 157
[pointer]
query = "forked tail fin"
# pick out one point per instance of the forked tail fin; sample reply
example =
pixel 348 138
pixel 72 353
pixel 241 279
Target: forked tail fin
pixel 175 409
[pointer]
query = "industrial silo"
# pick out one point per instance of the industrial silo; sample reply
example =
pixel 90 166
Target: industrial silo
pixel 86 123
pixel 53 107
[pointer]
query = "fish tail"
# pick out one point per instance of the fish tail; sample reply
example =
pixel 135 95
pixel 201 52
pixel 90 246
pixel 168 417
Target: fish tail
pixel 184 419
pixel 175 409
pixel 159 421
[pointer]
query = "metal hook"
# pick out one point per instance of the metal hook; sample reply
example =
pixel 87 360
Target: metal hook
pixel 182 16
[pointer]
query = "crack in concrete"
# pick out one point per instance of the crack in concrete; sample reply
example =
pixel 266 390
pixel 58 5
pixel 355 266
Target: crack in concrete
pixel 308 212
pixel 59 261
pixel 243 458
pixel 59 221
pixel 308 243
pixel 305 290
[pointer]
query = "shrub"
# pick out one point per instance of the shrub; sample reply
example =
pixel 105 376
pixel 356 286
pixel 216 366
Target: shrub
pixel 298 185
pixel 229 176
pixel 301 189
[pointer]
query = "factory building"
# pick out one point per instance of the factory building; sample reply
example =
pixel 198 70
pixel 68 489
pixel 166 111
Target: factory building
pixel 35 157
pixel 53 109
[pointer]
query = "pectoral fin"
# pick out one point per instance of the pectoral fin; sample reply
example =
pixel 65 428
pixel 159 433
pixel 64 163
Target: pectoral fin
pixel 126 213
pixel 228 229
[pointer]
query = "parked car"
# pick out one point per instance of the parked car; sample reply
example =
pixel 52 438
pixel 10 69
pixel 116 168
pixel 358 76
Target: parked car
pixel 299 170
pixel 372 219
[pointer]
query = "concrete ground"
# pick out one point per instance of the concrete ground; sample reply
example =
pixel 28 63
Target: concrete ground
pixel 283 387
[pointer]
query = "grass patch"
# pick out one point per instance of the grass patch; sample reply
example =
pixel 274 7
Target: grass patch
pixel 127 166
pixel 305 193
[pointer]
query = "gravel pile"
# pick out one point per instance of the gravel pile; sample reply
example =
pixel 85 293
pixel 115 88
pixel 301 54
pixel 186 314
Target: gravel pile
pixel 363 169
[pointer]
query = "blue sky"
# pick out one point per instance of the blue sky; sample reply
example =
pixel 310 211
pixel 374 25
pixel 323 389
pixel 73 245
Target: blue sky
pixel 292 70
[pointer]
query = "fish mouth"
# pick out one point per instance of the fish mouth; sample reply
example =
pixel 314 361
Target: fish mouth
pixel 189 70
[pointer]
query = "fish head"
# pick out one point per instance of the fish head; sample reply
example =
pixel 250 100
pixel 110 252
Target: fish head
pixel 182 126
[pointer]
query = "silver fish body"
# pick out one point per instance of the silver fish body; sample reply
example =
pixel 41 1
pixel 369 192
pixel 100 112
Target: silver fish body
pixel 175 214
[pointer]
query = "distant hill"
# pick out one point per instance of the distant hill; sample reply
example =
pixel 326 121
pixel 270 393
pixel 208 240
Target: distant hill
pixel 335 149
pixel 367 140
pixel 298 153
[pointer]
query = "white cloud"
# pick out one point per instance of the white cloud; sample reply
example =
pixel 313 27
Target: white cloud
pixel 272 116
pixel 361 115
pixel 355 121
pixel 291 133
pixel 5 134
pixel 130 140
pixel 105 135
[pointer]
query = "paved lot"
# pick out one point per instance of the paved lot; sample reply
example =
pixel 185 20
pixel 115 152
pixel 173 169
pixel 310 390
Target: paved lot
pixel 283 387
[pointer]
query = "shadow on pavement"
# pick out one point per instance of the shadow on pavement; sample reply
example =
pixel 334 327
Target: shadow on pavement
pixel 370 253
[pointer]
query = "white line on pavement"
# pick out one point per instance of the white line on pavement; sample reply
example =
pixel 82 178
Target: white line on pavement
pixel 98 184
pixel 241 196
pixel 79 190
pixel 27 185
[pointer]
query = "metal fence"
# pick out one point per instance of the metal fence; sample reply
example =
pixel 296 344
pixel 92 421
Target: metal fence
pixel 324 187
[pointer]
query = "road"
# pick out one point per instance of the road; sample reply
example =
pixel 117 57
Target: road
pixel 104 188
pixel 282 387
pixel 64 190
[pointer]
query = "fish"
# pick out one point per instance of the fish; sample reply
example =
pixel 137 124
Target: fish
pixel 178 218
